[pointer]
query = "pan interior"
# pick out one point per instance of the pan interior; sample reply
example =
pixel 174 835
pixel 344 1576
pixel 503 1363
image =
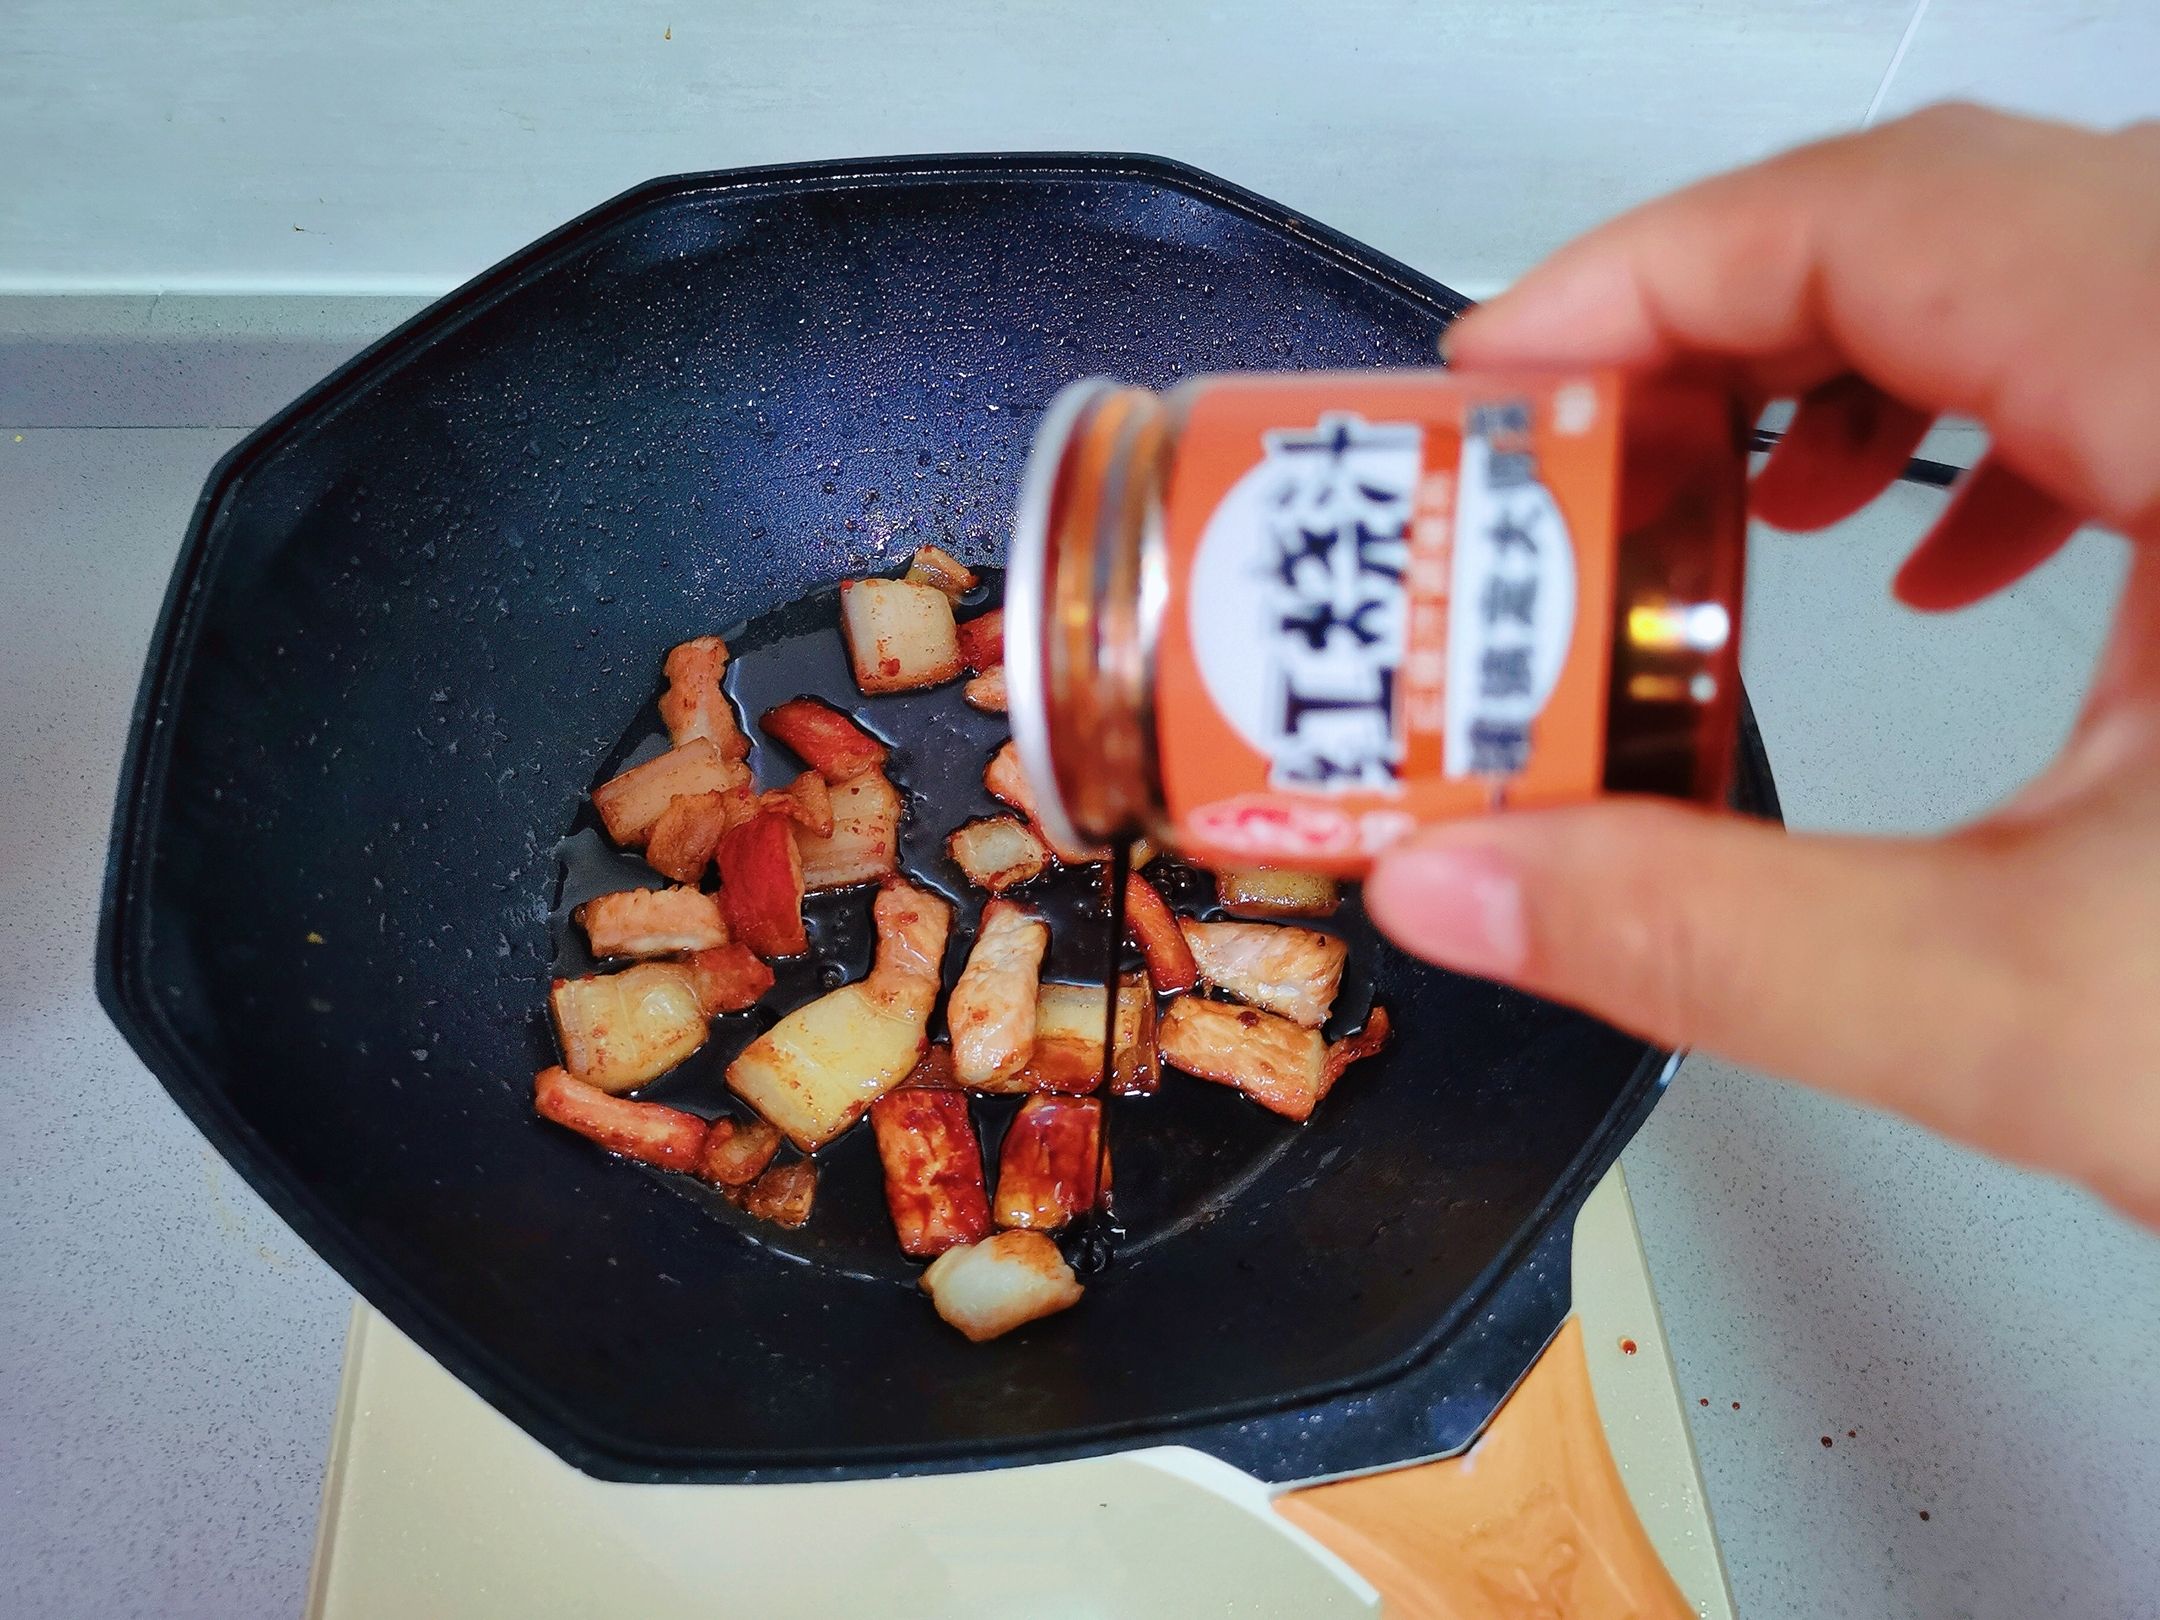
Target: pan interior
pixel 1181 1155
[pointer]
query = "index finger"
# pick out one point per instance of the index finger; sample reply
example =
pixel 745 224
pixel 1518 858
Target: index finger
pixel 1960 260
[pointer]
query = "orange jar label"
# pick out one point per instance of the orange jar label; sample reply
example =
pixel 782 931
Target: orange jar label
pixel 1389 602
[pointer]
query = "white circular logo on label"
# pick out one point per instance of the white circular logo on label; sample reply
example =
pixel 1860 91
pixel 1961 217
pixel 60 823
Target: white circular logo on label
pixel 1231 586
pixel 1298 614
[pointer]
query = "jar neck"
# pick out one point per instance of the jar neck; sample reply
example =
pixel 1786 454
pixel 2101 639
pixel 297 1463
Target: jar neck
pixel 1672 707
pixel 1086 607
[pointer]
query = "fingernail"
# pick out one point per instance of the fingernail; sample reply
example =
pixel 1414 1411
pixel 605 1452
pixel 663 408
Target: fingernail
pixel 1462 908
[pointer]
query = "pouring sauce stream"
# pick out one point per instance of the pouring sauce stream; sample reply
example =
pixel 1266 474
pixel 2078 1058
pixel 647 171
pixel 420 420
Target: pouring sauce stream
pixel 1096 1234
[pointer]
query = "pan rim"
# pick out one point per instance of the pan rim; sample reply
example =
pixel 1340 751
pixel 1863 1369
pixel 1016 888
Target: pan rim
pixel 140 798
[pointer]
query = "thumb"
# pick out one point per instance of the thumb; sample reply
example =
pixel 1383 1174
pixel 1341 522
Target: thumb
pixel 1866 967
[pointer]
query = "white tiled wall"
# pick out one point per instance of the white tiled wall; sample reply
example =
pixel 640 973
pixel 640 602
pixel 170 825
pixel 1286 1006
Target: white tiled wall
pixel 251 146
pixel 2092 61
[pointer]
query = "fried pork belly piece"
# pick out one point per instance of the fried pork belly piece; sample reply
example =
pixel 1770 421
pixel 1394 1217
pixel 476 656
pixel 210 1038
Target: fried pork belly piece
pixel 864 844
pixel 761 885
pixel 806 801
pixel 680 844
pixel 829 742
pixel 988 1288
pixel 1280 1065
pixel 1291 971
pixel 652 922
pixel 899 636
pixel 665 1137
pixel 619 1030
pixel 1046 1165
pixel 631 802
pixel 1154 928
pixel 933 1169
pixel 816 1070
pixel 982 641
pixel 1262 894
pixel 728 978
pixel 998 853
pixel 694 706
pixel 940 569
pixel 1008 784
pixel 783 1194
pixel 992 1008
pixel 1068 1041
pixel 736 1152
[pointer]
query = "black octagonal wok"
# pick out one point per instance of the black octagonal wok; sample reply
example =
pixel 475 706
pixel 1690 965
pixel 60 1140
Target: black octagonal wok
pixel 413 617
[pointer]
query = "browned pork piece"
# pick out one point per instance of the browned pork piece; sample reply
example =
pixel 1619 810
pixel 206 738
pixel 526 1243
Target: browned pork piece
pixel 693 705
pixel 899 636
pixel 1364 1044
pixel 1278 1064
pixel 1263 894
pixel 630 803
pixel 1282 1066
pixel 982 641
pixel 652 922
pixel 619 1030
pixel 936 567
pixel 1068 1041
pixel 761 885
pixel 998 853
pixel 1291 971
pixel 680 844
pixel 829 742
pixel 1046 1167
pixel 1005 1281
pixel 864 844
pixel 1008 784
pixel 991 1011
pixel 782 1194
pixel 816 1070
pixel 933 1169
pixel 727 978
pixel 806 801
pixel 666 1137
pixel 1154 928
pixel 736 1153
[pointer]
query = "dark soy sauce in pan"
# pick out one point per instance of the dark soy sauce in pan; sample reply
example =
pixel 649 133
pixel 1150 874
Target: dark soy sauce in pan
pixel 1182 1154
pixel 1095 1233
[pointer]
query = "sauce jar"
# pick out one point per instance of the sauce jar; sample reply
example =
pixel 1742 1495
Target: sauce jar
pixel 1285 620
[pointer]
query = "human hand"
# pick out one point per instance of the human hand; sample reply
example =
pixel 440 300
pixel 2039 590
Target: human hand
pixel 2002 983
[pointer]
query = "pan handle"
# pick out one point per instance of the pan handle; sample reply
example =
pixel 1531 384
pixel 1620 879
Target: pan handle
pixel 1532 1519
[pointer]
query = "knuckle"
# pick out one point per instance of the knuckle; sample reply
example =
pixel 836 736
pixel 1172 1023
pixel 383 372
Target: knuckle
pixel 1951 118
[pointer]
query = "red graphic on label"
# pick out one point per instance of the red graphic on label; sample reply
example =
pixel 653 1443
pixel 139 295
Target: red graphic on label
pixel 1260 825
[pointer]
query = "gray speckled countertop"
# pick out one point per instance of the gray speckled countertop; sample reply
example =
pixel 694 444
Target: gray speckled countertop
pixel 1978 1344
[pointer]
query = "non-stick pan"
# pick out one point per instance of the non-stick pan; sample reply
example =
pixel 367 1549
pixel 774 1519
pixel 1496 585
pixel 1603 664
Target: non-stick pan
pixel 416 613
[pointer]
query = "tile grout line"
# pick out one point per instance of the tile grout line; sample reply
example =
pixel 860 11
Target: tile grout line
pixel 1897 60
